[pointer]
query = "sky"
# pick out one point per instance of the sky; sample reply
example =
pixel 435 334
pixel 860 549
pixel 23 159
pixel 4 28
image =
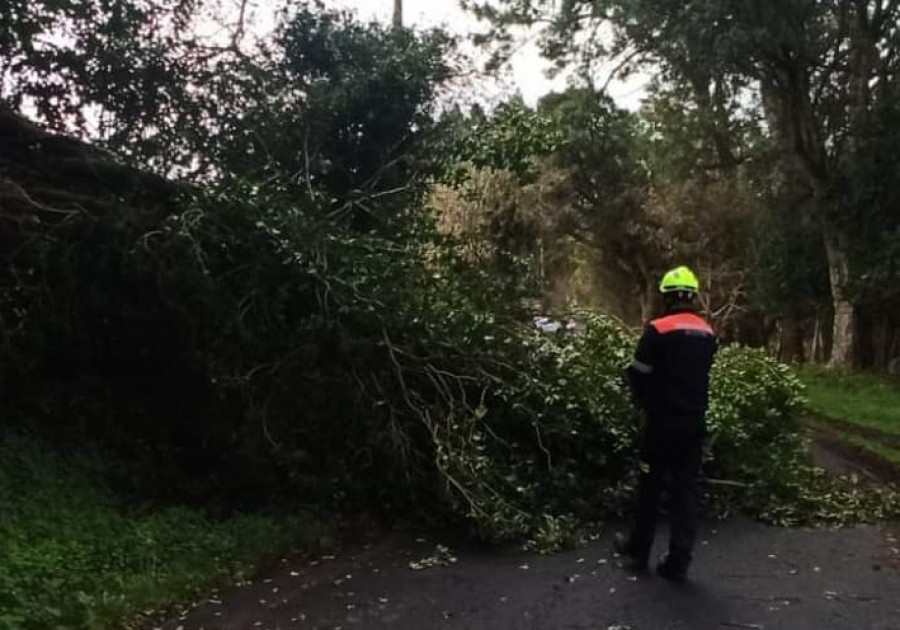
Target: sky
pixel 527 73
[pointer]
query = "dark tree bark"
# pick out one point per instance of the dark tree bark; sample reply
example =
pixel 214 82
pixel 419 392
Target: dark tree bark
pixel 845 340
pixel 790 340
pixel 398 14
pixel 881 337
pixel 793 121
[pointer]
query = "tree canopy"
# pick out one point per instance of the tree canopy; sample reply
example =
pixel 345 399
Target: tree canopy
pixel 296 269
pixel 822 76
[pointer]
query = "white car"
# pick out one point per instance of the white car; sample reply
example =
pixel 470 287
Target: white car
pixel 553 326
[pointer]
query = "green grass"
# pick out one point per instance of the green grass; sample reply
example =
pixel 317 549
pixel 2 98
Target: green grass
pixel 884 452
pixel 72 555
pixel 866 400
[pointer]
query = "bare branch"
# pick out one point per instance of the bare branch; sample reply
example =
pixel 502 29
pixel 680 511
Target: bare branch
pixel 239 30
pixel 618 68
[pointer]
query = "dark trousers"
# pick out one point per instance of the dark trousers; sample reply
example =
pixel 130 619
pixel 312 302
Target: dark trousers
pixel 672 451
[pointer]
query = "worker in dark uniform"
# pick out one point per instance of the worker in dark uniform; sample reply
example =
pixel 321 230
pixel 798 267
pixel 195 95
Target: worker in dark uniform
pixel 670 380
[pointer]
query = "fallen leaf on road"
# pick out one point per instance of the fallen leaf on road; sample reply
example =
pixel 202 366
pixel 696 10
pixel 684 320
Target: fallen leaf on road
pixel 440 557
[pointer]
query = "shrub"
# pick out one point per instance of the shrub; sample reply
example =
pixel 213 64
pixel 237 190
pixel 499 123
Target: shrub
pixel 247 348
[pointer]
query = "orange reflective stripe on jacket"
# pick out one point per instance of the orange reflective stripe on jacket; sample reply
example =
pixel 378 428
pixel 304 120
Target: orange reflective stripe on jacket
pixel 681 321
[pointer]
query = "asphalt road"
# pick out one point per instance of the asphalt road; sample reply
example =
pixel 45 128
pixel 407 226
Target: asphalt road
pixel 746 576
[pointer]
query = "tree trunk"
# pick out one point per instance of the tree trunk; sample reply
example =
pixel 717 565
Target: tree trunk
pixel 881 340
pixel 790 340
pixel 648 290
pixel 398 14
pixel 819 351
pixel 893 363
pixel 815 343
pixel 844 349
pixel 862 59
pixel 648 302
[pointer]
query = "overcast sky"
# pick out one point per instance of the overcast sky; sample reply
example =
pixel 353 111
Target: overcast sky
pixel 527 73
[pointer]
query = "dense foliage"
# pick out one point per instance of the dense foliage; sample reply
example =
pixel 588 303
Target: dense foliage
pixel 331 307
pixel 75 555
pixel 823 77
pixel 363 371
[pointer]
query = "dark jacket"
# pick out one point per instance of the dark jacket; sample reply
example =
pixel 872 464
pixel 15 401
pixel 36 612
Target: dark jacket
pixel 670 373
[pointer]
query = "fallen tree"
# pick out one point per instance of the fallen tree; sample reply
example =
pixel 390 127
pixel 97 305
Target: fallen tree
pixel 238 347
pixel 47 177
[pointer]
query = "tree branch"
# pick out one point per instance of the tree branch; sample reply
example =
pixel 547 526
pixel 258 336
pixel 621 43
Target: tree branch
pixel 238 34
pixel 619 66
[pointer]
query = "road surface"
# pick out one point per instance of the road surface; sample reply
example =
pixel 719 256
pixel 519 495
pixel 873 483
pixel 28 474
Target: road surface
pixel 746 577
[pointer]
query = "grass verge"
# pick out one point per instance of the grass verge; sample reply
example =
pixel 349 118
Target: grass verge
pixel 885 452
pixel 73 555
pixel 867 400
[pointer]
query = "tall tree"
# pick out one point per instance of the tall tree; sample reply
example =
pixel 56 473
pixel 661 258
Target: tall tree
pixel 600 153
pixel 818 66
pixel 114 69
pixel 327 104
pixel 398 14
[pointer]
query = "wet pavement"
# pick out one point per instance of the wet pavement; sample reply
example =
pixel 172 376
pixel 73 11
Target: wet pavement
pixel 746 576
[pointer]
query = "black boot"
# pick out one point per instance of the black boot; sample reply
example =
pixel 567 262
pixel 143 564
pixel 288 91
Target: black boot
pixel 631 560
pixel 671 571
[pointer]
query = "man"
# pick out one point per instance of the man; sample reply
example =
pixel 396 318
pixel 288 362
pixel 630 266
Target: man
pixel 670 380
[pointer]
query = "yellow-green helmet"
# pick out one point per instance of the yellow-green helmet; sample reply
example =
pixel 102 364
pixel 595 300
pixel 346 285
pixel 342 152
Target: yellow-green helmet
pixel 680 279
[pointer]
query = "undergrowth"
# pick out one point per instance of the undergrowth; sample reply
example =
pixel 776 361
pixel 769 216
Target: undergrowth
pixel 249 348
pixel 73 555
pixel 868 400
